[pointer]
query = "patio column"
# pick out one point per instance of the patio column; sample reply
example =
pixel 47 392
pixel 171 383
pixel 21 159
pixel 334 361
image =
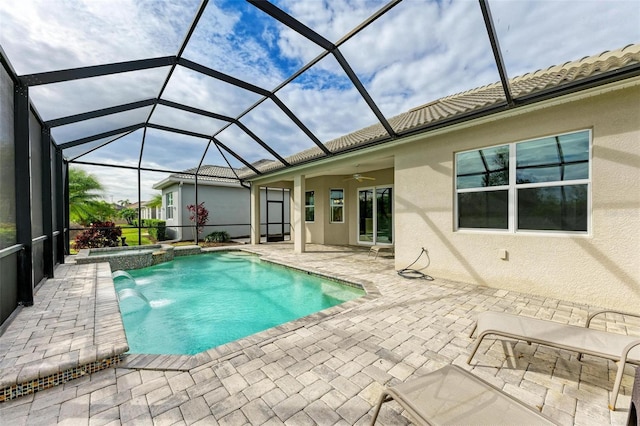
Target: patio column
pixel 255 214
pixel 299 231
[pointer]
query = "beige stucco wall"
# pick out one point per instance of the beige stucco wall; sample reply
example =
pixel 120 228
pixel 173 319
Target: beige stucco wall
pixel 315 229
pixel 321 230
pixel 602 268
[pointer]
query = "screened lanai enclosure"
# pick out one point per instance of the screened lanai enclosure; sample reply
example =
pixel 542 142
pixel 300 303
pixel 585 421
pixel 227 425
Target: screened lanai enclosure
pixel 134 91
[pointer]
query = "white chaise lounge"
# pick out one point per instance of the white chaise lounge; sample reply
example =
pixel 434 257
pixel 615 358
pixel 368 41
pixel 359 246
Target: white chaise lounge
pixel 453 396
pixel 377 249
pixel 620 348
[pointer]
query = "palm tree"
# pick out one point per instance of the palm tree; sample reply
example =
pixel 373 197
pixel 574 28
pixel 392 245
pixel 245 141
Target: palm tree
pixel 155 201
pixel 84 194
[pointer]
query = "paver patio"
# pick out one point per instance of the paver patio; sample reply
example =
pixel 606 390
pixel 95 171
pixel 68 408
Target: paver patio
pixel 330 368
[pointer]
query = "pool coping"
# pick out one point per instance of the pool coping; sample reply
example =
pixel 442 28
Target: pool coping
pixel 50 343
pixel 262 338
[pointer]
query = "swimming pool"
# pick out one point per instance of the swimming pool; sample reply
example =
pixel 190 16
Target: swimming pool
pixel 195 303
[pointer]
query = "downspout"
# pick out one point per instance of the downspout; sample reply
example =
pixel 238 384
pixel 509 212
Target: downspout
pixel 179 211
pixel 196 230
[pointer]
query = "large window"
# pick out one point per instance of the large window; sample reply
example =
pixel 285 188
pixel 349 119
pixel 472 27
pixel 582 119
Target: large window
pixel 336 204
pixel 536 185
pixel 169 204
pixel 309 206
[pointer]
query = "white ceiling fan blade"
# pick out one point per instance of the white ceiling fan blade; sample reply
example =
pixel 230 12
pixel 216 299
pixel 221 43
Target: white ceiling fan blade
pixel 359 178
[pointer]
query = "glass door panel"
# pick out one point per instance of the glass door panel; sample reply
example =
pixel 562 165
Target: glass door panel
pixel 365 215
pixel 384 219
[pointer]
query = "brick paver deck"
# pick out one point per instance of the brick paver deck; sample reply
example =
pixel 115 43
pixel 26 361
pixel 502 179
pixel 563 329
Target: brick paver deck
pixel 328 369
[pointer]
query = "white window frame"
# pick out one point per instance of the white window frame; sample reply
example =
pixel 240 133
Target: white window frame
pixel 513 187
pixel 331 205
pixel 169 207
pixel 307 206
pixel 375 213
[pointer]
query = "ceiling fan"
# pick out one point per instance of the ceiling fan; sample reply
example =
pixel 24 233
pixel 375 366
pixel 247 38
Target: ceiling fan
pixel 359 177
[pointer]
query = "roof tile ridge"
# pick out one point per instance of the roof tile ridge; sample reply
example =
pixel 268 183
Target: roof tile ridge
pixel 456 95
pixel 630 49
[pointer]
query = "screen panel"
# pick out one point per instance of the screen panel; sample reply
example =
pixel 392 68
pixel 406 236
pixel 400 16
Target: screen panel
pixel 8 264
pixel 444 50
pixel 37 215
pixel 579 29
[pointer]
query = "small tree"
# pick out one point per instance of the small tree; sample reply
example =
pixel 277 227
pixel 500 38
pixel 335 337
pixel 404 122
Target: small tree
pixel 155 201
pixel 200 213
pixel 129 215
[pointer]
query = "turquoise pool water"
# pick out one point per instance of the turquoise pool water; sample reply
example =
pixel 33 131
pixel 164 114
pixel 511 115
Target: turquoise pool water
pixel 195 303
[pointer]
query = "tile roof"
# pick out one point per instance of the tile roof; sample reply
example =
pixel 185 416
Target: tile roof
pixel 210 174
pixel 470 101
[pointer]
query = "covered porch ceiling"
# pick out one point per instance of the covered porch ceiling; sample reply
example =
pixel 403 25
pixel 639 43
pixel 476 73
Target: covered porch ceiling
pixel 165 86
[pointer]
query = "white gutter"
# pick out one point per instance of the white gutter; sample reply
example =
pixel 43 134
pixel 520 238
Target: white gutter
pixel 178 213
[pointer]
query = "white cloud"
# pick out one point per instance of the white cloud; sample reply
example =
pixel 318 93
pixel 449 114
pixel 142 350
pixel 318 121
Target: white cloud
pixel 45 35
pixel 332 19
pixel 270 124
pixel 77 96
pixel 421 50
pixel 191 88
pixel 536 35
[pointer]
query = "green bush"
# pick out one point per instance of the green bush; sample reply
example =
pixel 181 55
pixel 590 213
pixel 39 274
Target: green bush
pixel 157 229
pixel 217 237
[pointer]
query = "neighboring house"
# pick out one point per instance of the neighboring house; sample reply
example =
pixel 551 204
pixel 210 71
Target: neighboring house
pixel 227 201
pixel 146 212
pixel 542 198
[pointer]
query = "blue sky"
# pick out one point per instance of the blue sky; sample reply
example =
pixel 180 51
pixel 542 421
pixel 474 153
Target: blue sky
pixel 418 52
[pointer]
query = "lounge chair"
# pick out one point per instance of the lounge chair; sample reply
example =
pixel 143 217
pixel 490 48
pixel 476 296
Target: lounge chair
pixel 452 395
pixel 377 249
pixel 619 348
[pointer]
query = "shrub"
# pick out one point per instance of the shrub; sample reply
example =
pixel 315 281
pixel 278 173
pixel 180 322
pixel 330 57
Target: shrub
pixel 157 229
pixel 217 237
pixel 99 234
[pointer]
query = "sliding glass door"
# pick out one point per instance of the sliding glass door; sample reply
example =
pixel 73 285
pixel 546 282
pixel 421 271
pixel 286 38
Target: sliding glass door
pixel 375 215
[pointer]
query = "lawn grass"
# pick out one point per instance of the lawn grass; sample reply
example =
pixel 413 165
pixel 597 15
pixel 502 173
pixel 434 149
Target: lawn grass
pixel 131 235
